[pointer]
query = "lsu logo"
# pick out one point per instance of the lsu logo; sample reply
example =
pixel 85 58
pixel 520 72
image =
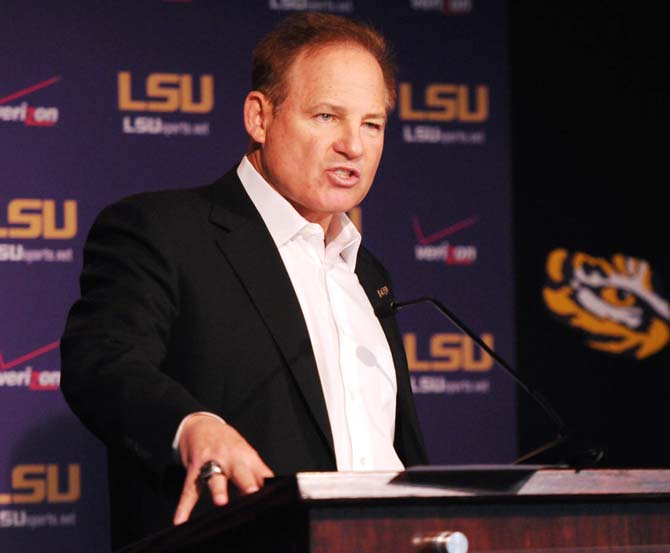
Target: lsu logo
pixel 39 218
pixel 612 301
pixel 166 93
pixel 444 103
pixel 43 484
pixel 449 352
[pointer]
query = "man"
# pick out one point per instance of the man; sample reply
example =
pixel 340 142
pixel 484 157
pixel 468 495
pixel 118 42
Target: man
pixel 231 327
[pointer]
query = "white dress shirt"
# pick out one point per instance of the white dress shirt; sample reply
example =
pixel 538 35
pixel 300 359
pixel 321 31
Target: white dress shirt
pixel 352 354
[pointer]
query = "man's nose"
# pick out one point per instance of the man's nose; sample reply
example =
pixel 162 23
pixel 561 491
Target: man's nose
pixel 349 142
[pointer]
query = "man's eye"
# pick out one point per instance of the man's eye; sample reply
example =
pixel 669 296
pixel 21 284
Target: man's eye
pixel 373 126
pixel 325 116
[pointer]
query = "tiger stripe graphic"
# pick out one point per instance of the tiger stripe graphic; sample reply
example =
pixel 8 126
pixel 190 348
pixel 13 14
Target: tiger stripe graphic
pixel 612 302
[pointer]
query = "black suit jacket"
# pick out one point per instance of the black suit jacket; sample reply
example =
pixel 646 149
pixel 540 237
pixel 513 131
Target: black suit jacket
pixel 186 306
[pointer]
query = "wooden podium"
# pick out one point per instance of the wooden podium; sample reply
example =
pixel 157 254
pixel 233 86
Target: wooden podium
pixel 505 509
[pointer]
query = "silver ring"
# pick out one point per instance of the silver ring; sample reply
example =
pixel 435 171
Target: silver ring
pixel 209 469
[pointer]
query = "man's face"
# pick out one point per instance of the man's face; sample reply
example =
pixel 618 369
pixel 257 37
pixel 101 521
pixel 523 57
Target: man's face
pixel 321 148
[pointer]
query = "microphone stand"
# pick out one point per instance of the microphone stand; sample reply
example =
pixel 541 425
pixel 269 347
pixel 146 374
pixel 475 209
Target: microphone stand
pixel 388 308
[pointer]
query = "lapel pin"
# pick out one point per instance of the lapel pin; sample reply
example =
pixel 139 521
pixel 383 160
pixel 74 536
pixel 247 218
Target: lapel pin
pixel 383 291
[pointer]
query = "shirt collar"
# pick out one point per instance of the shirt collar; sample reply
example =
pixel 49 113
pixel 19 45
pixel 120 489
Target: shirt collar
pixel 346 240
pixel 284 222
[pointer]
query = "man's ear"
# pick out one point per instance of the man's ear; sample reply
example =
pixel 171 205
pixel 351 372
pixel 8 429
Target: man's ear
pixel 257 115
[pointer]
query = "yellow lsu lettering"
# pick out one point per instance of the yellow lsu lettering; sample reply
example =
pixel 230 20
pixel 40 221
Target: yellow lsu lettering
pixel 446 102
pixel 41 483
pixel 35 218
pixel 449 352
pixel 169 92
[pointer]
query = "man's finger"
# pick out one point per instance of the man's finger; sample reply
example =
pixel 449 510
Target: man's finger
pixel 189 496
pixel 244 479
pixel 265 472
pixel 218 487
pixel 260 472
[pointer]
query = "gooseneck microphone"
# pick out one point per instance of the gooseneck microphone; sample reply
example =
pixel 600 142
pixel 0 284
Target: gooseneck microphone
pixel 387 308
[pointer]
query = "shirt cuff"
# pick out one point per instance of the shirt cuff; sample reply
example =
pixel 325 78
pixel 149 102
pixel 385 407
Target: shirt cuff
pixel 175 442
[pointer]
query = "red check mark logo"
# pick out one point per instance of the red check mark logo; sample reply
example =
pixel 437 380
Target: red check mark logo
pixel 5 365
pixel 440 234
pixel 29 89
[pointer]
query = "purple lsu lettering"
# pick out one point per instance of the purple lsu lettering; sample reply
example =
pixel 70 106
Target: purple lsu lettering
pixel 449 352
pixel 41 484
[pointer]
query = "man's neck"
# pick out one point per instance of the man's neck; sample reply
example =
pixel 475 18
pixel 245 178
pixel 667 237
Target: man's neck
pixel 327 221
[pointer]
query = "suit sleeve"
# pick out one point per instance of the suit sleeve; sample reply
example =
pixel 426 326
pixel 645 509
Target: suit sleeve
pixel 117 335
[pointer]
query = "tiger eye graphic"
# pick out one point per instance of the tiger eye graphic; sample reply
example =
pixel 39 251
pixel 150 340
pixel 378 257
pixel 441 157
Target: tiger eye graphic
pixel 612 302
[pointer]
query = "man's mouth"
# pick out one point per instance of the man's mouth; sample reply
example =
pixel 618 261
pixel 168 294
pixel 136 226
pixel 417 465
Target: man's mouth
pixel 345 175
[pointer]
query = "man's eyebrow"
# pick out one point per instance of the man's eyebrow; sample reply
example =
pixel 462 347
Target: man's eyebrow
pixel 378 115
pixel 327 106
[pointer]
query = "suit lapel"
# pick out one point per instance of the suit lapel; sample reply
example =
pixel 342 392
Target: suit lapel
pixel 247 245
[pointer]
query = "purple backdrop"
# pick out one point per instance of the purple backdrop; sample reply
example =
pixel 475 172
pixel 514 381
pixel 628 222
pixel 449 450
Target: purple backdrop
pixel 79 129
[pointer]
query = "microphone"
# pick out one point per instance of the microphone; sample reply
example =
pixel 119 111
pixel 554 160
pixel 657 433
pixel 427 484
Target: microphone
pixel 389 307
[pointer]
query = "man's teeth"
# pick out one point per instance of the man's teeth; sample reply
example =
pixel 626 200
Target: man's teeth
pixel 343 173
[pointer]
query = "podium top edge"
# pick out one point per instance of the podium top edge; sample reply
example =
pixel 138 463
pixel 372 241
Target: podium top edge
pixel 482 481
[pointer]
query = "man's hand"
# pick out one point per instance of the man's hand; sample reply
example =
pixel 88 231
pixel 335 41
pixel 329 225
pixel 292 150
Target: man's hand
pixel 204 438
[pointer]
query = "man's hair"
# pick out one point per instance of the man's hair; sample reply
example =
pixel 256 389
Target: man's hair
pixel 276 52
